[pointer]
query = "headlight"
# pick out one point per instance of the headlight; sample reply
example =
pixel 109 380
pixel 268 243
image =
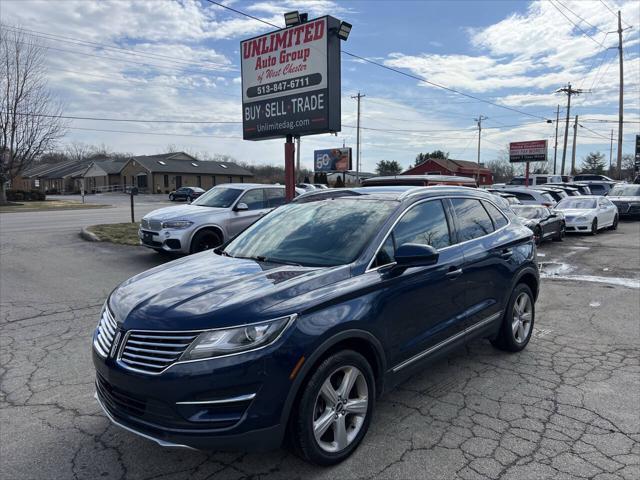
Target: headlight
pixel 215 343
pixel 177 224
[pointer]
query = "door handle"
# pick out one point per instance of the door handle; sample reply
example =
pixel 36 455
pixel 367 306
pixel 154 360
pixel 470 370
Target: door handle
pixel 506 253
pixel 453 273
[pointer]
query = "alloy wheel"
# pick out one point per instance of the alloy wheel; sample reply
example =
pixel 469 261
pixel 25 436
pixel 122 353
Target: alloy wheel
pixel 340 409
pixel 522 316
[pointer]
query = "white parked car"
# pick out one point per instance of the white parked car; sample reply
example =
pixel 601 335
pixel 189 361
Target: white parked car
pixel 588 214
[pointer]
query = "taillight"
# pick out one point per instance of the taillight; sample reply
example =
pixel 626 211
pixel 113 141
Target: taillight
pixel 547 204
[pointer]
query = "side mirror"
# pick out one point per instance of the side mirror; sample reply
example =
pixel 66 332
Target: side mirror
pixel 241 207
pixel 415 255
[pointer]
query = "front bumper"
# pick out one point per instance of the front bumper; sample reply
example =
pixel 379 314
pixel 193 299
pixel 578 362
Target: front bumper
pixel 228 403
pixel 578 225
pixel 166 239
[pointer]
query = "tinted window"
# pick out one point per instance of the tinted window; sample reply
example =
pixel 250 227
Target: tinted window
pixel 541 180
pixel 426 224
pixel 472 220
pixel 320 233
pixel 386 254
pixel 275 197
pixel 254 199
pixel 523 196
pixel 597 189
pixel 498 218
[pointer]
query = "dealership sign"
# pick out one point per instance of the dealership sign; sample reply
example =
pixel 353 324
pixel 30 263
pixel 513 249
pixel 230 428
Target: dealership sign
pixel 332 160
pixel 291 81
pixel 533 151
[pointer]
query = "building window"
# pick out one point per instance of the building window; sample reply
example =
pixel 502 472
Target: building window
pixel 230 179
pixel 178 181
pixel 166 180
pixel 199 181
pixel 213 180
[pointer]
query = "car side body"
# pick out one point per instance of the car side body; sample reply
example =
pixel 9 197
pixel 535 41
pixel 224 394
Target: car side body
pixel 175 229
pixel 545 223
pixel 394 314
pixel 186 193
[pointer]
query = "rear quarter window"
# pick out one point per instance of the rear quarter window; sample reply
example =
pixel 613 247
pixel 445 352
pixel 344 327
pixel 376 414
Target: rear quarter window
pixel 496 215
pixel 473 221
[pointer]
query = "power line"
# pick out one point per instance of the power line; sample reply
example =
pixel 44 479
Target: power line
pixel 567 8
pixel 386 67
pixel 613 13
pixel 576 25
pixel 87 43
pixel 134 120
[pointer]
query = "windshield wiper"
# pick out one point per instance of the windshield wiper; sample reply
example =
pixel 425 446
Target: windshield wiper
pixel 262 258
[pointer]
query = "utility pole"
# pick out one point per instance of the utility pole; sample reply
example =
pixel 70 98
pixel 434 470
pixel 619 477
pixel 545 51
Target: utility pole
pixel 479 122
pixel 358 97
pixel 569 91
pixel 573 151
pixel 619 165
pixel 611 151
pixel 298 159
pixel 555 147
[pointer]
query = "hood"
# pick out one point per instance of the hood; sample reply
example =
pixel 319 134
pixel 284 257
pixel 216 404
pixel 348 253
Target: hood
pixel 624 198
pixel 576 212
pixel 207 290
pixel 182 211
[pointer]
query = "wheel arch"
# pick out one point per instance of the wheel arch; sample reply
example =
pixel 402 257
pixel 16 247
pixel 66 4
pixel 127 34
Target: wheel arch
pixel 359 341
pixel 529 277
pixel 212 226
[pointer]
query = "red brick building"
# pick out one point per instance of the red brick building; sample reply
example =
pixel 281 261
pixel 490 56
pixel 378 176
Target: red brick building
pixel 463 168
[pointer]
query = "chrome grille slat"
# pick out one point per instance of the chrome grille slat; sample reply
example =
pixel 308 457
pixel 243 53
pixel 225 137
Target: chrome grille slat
pixel 153 352
pixel 105 333
pixel 157 352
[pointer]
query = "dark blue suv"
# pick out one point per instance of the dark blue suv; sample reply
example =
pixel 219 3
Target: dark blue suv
pixel 296 326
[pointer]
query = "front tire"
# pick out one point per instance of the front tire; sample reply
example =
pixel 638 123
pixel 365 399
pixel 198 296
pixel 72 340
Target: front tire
pixel 334 411
pixel 594 227
pixel 517 322
pixel 171 197
pixel 189 199
pixel 205 240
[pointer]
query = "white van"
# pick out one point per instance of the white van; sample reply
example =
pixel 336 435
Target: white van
pixel 537 179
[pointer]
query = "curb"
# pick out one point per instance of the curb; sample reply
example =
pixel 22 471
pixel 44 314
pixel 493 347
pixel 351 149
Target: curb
pixel 88 236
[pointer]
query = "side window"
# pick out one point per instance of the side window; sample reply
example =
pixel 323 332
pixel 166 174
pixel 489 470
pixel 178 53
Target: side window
pixel 541 180
pixel 496 215
pixel 254 199
pixel 275 197
pixel 425 223
pixel 386 254
pixel 473 220
pixel 523 196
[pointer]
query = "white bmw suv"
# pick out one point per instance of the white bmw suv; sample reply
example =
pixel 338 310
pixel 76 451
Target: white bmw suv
pixel 213 218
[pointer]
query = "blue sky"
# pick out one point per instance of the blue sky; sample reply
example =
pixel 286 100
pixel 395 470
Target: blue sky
pixel 179 60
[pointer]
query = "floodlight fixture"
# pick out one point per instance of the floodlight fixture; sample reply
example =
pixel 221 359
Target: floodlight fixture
pixel 344 30
pixel 292 18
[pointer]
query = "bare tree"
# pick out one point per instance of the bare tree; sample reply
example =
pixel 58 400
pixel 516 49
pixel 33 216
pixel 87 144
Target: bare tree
pixel 30 118
pixel 78 151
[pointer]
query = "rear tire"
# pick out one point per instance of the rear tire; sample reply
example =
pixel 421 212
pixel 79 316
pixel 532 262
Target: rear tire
pixel 325 431
pixel 614 226
pixel 561 233
pixel 594 227
pixel 205 240
pixel 189 199
pixel 537 235
pixel 517 322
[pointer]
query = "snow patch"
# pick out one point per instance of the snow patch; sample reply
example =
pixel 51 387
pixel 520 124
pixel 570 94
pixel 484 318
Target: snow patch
pixel 622 282
pixel 594 304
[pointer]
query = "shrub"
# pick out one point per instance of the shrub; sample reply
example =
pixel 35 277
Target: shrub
pixel 38 196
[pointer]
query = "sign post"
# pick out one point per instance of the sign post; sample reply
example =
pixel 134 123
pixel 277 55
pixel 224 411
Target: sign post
pixel 289 168
pixel 526 152
pixel 291 85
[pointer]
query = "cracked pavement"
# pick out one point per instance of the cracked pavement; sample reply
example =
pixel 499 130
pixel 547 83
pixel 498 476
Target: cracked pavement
pixel 567 407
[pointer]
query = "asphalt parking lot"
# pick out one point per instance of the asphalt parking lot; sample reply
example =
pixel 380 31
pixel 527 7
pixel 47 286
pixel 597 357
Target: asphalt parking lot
pixel 567 407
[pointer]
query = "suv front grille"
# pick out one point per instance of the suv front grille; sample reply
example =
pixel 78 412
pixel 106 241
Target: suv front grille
pixel 152 351
pixel 150 224
pixel 106 333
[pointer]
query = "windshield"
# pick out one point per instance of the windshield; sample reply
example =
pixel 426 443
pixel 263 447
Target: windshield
pixel 529 212
pixel 219 197
pixel 625 191
pixel 579 203
pixel 322 233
